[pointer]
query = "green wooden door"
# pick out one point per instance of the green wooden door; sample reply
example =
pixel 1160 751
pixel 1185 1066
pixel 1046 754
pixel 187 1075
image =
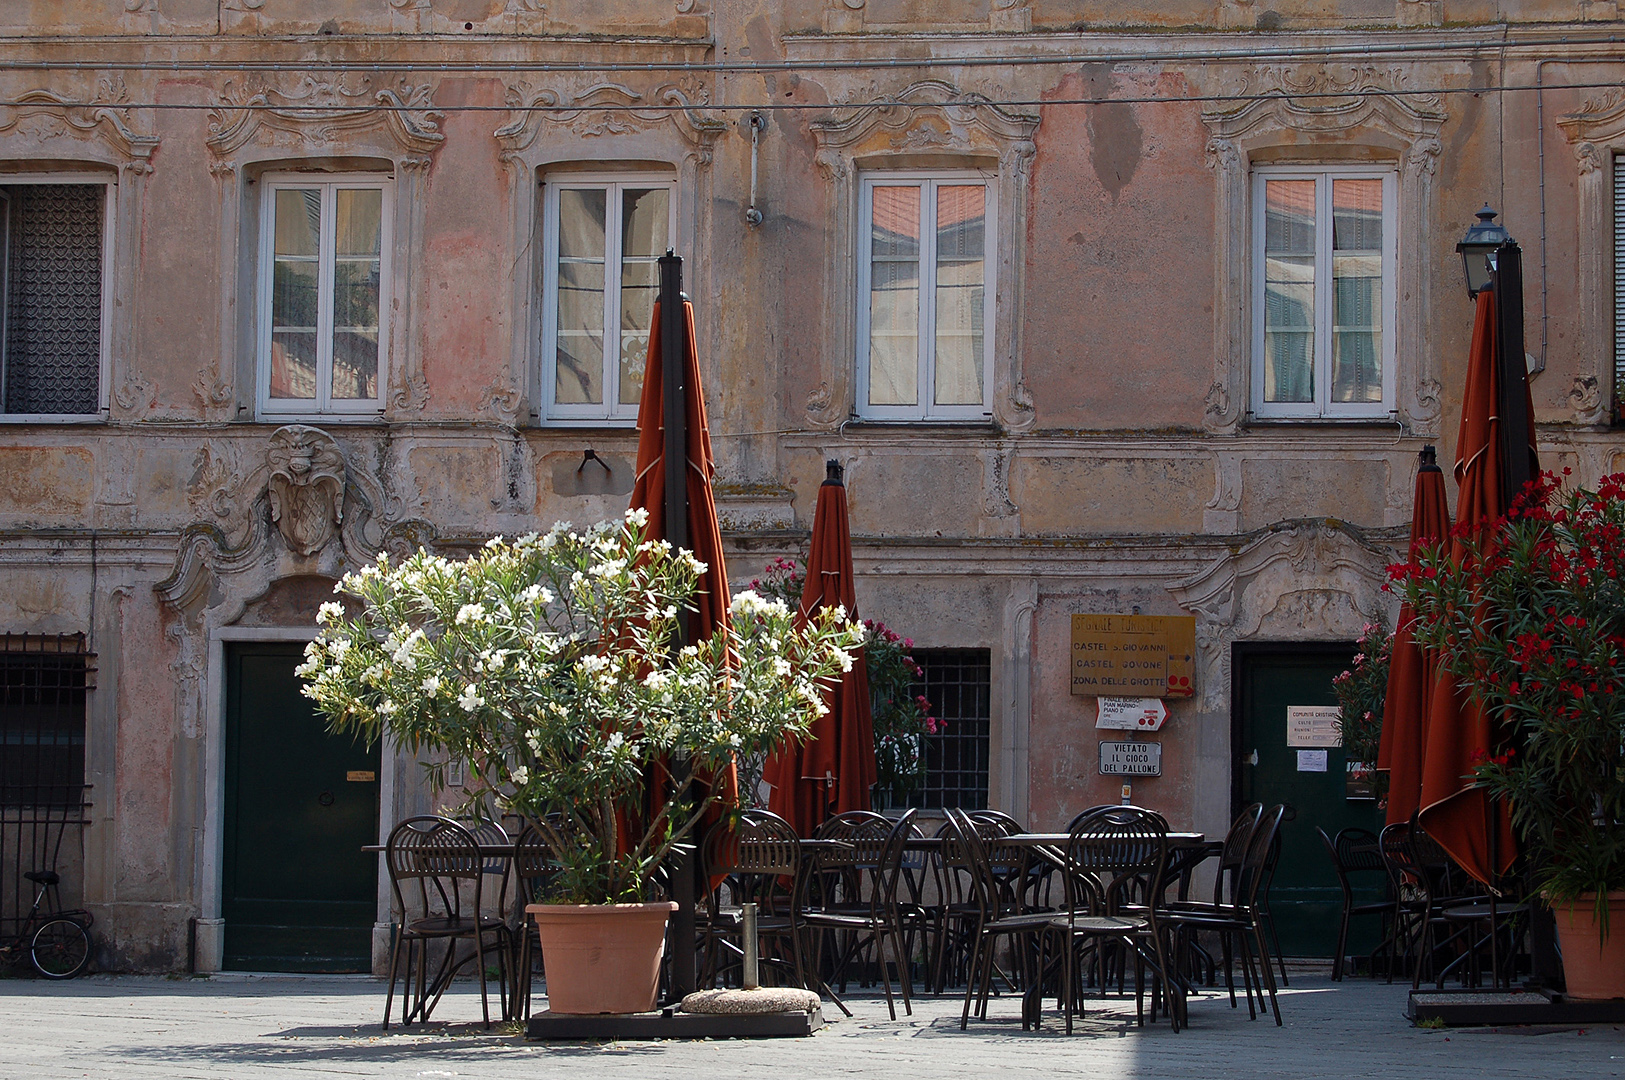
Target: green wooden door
pixel 1305 898
pixel 299 894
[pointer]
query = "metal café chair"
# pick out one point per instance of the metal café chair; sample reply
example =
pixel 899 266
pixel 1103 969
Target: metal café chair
pixel 1239 920
pixel 1357 851
pixel 992 911
pixel 869 917
pixel 749 861
pixel 1226 882
pixel 1115 863
pixel 534 867
pixel 437 873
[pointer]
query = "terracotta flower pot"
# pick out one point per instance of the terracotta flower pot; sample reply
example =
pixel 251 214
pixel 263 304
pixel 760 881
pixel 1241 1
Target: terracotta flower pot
pixel 602 958
pixel 1593 967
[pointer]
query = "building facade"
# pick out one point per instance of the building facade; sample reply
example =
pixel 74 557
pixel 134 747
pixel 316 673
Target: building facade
pixel 1132 308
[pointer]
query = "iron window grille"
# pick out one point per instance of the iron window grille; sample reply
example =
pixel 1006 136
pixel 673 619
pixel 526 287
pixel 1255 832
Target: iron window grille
pixel 44 683
pixel 52 278
pixel 1618 410
pixel 958 684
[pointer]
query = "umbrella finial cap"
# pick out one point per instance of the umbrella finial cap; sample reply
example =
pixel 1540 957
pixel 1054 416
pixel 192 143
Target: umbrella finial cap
pixel 1429 457
pixel 833 473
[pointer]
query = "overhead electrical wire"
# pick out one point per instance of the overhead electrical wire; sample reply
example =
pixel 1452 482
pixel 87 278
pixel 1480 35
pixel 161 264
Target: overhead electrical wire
pixel 1498 40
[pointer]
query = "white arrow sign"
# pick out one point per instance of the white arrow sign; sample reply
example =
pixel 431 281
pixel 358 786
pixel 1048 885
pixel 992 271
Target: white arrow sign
pixel 1131 713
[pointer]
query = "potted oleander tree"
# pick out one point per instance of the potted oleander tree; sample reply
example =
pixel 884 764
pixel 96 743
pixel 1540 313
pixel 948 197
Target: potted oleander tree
pixel 1531 620
pixel 551 666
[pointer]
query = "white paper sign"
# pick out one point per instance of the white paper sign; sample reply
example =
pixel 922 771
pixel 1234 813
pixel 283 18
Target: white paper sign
pixel 1130 713
pixel 1311 761
pixel 1313 725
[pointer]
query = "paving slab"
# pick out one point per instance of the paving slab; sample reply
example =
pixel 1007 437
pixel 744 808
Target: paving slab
pixel 133 1027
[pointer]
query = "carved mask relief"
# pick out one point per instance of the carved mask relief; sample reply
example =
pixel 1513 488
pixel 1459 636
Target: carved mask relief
pixel 306 487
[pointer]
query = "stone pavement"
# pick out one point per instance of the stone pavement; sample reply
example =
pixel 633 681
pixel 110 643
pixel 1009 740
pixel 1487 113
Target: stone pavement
pixel 251 1028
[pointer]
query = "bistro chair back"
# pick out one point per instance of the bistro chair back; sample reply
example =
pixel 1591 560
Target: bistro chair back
pixel 1115 862
pixel 1234 851
pixel 857 876
pixel 756 859
pixel 437 874
pixel 1355 851
pixel 534 868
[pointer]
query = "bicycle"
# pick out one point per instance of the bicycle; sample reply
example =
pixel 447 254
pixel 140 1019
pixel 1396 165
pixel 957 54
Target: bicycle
pixel 55 941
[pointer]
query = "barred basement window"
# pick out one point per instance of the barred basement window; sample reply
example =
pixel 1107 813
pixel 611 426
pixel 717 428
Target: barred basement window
pixel 43 680
pixel 53 259
pixel 958 684
pixel 1619 289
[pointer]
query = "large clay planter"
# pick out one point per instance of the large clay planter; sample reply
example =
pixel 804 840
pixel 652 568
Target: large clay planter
pixel 1592 967
pixel 602 958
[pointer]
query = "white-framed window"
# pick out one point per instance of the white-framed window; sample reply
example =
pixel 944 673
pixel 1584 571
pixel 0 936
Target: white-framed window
pixel 925 310
pixel 1324 243
pixel 323 294
pixel 56 262
pixel 601 238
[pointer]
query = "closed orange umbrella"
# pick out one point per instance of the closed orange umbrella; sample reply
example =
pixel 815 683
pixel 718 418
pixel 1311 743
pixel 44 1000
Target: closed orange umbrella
pixel 704 533
pixel 1460 733
pixel 1412 669
pixel 832 770
pixel 673 433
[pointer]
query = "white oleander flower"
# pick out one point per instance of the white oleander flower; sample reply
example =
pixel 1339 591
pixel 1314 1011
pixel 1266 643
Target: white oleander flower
pixel 520 775
pixel 431 685
pixel 331 611
pixel 470 699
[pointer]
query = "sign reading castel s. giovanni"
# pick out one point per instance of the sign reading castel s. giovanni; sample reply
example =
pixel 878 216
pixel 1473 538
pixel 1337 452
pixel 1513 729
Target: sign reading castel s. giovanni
pixel 1133 655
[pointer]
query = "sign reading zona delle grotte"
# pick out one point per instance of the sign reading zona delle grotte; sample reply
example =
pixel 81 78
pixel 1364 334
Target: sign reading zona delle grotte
pixel 1133 655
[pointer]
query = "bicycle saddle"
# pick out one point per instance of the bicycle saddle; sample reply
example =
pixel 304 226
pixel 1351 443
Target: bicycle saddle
pixel 43 877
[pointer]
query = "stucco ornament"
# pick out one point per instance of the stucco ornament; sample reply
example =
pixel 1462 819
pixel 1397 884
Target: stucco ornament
pixel 307 487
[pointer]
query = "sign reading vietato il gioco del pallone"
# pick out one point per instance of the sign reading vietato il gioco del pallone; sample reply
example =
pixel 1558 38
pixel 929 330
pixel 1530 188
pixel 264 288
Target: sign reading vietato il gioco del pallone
pixel 1133 655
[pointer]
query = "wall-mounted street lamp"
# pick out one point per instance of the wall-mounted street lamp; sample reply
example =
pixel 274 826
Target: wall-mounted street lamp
pixel 1478 249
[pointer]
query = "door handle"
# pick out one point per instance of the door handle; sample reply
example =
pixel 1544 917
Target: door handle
pixel 325 798
pixel 1251 759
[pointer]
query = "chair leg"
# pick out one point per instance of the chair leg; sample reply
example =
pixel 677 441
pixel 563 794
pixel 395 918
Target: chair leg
pixel 394 962
pixel 1269 974
pixel 1342 945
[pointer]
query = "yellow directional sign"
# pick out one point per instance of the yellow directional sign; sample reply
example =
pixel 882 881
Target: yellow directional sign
pixel 1133 655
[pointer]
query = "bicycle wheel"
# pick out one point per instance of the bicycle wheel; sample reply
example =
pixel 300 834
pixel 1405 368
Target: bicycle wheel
pixel 60 949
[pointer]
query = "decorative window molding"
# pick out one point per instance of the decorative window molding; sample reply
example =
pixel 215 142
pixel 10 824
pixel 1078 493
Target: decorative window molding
pixel 1297 581
pixel 98 126
pixel 928 124
pixel 1353 110
pixel 668 127
pixel 1003 17
pixel 1597 134
pixel 258 124
pixel 318 112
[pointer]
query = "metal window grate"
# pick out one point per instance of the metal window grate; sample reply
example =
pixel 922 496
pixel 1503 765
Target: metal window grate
pixel 44 680
pixel 958 684
pixel 53 298
pixel 43 685
pixel 1619 289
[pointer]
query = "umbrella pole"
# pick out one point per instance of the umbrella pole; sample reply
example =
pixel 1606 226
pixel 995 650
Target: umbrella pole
pixel 675 430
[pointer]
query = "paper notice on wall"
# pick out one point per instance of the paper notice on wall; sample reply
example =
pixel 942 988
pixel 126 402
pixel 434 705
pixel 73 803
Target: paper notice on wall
pixel 1311 761
pixel 1314 725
